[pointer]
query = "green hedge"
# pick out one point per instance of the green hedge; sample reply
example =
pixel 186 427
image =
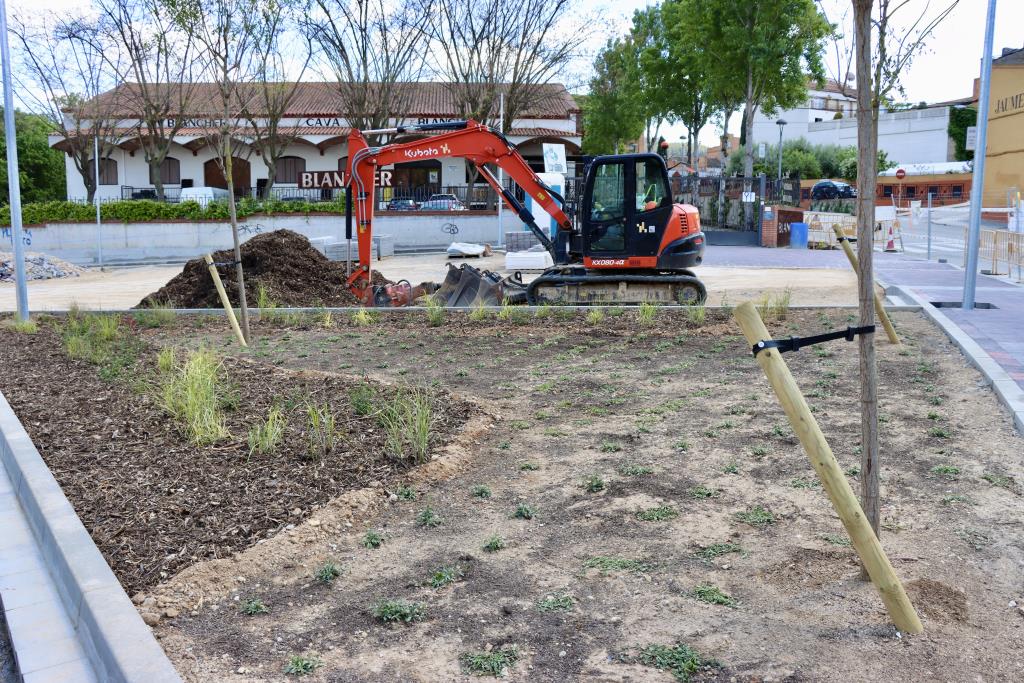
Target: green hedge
pixel 144 210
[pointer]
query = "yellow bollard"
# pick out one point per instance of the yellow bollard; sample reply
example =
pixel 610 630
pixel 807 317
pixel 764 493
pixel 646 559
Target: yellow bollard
pixel 832 478
pixel 224 299
pixel 890 331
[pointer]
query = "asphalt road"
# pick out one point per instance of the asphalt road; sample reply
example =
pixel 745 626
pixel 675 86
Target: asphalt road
pixel 947 235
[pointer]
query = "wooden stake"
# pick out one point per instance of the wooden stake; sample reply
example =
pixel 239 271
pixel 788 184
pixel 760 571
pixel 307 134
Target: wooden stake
pixel 224 299
pixel 890 331
pixel 832 478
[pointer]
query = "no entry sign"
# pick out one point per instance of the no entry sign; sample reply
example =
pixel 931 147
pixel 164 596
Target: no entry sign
pixel 900 174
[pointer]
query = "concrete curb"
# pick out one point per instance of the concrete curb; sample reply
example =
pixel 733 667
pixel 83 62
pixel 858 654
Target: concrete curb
pixel 1007 390
pixel 117 643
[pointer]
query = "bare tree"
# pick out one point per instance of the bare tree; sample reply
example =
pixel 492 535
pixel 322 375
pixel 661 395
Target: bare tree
pixel 153 57
pixel 276 80
pixel 878 75
pixel 64 74
pixel 376 49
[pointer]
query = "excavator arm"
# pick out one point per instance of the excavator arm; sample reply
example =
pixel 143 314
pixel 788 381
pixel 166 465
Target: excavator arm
pixel 467 139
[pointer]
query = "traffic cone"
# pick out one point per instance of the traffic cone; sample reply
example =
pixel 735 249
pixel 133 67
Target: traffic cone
pixel 890 240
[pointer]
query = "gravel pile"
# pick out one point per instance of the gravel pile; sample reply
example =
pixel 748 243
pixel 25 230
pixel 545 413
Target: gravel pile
pixel 38 267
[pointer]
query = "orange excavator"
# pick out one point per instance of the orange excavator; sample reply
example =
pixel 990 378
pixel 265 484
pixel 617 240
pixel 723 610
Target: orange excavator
pixel 626 241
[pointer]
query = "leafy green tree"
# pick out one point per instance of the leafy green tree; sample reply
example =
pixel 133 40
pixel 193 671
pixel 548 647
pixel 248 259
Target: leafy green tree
pixel 612 115
pixel 40 168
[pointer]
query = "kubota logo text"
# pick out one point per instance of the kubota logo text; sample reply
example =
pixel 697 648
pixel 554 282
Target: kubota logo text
pixel 416 153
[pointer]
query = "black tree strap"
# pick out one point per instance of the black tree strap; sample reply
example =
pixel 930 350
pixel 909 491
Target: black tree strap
pixel 797 343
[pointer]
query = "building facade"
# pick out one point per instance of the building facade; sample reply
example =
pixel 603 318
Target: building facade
pixel 1004 154
pixel 318 139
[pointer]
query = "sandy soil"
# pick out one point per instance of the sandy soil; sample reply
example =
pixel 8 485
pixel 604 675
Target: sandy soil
pixel 674 416
pixel 122 288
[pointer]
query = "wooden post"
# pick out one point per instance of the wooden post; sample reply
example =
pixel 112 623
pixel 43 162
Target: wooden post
pixel 890 331
pixel 224 299
pixel 832 478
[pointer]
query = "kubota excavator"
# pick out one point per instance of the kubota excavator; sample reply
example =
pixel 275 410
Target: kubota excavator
pixel 627 242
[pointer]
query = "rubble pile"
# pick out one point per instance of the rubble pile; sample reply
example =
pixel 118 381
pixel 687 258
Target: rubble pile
pixel 38 267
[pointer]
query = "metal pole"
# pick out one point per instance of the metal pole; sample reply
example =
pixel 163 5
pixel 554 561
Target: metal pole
pixel 929 226
pixel 96 199
pixel 13 182
pixel 780 156
pixel 977 183
pixel 501 175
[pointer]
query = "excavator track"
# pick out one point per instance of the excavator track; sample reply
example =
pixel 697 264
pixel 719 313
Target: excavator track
pixel 579 287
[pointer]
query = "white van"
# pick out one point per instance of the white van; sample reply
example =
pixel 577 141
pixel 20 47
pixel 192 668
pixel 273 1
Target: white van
pixel 202 195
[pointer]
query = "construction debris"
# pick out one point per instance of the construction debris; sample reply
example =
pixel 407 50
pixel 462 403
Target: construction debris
pixel 38 267
pixel 467 249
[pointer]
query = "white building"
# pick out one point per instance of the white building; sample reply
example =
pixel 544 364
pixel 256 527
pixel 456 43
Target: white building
pixel 320 133
pixel 915 136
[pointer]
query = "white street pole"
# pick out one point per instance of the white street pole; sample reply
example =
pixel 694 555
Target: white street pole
pixel 929 226
pixel 13 182
pixel 501 175
pixel 96 198
pixel 978 181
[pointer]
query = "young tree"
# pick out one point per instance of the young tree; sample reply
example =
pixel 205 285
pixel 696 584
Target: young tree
pixel 62 67
pixel 153 58
pixel 40 168
pixel 376 50
pixel 612 115
pixel 657 88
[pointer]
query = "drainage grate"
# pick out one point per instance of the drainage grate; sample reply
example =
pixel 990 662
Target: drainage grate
pixel 959 304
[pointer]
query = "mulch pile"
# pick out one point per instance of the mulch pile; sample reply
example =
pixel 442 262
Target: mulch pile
pixel 155 503
pixel 283 262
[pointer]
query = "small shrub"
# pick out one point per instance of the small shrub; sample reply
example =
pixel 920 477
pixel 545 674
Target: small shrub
pixel 645 314
pixel 940 432
pixel 166 359
pixel 837 539
pixel 482 491
pixel 529 466
pixel 435 312
pixel 595 317
pixel 610 447
pixel 697 315
pixel 524 511
pixel 556 602
pixel 27 326
pixel 300 666
pixel 192 394
pixel 479 313
pixel 1000 480
pixel 363 399
pixel 428 519
pixel 950 471
pixel 682 445
pixel 760 451
pixel 372 539
pixel 657 514
pixel 405 492
pixel 364 318
pixel 391 611
pixel 606 564
pixel 494 663
pixel 756 516
pixel 407 420
pixel 713 595
pixel 679 660
pixel 955 499
pixel 321 435
pixel 593 484
pixel 254 606
pixel 265 436
pixel 494 543
pixel 717 550
pixel 731 468
pixel 443 576
pixel 704 492
pixel 327 573
pixel 634 470
pixel 801 483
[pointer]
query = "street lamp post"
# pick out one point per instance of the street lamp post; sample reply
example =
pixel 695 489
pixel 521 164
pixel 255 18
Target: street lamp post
pixel 781 123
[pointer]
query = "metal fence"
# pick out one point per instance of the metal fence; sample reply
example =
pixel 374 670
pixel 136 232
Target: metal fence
pixel 1000 251
pixel 733 203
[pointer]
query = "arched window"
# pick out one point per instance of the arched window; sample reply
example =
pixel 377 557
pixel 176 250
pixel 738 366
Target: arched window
pixel 108 171
pixel 288 169
pixel 170 172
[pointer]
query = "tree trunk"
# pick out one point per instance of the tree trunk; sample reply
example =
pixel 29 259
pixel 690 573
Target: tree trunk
pixel 271 164
pixel 233 213
pixel 748 150
pixel 726 115
pixel 154 177
pixel 867 170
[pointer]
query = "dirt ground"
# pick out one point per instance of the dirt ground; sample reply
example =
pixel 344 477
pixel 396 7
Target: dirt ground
pixel 625 465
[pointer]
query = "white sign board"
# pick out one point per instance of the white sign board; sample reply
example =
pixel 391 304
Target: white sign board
pixel 554 158
pixel 762 150
pixel 749 197
pixel 972 138
pixel 885 213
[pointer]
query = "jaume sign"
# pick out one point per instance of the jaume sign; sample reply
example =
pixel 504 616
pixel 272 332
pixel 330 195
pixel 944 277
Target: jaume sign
pixel 1011 103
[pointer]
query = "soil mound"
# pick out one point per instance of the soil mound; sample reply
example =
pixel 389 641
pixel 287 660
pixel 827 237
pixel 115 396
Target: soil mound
pixel 283 263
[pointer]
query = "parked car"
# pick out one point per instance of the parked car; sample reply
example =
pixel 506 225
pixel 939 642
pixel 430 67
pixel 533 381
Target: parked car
pixel 833 189
pixel 402 204
pixel 442 205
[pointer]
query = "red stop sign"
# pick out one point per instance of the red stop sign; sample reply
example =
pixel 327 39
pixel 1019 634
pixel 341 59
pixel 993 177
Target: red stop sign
pixel 900 174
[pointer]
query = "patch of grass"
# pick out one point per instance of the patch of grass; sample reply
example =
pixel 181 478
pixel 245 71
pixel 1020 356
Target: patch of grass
pixel 264 437
pixel 327 573
pixel 363 399
pixel 435 312
pixel 405 492
pixel 657 514
pixel 606 564
pixel 775 306
pixel 610 447
pixel 428 519
pixel 100 340
pixel 321 434
pixel 852 470
pixel 838 539
pixel 481 491
pixel 299 665
pixel 494 543
pixel 778 430
pixel 254 606
pixel 731 468
pixel 645 314
pixel 594 483
pixel 479 313
pixel 166 359
pixel 760 451
pixel 397 610
pixel 444 576
pixel 595 317
pixel 935 400
pixel 679 660
pixel 951 471
pixel 713 595
pixel 494 663
pixel 940 432
pixel 681 445
pixel 529 466
pixel 524 511
pixel 714 550
pixel 703 492
pixel 407 420
pixel 955 499
pixel 373 539
pixel 519 424
pixel 154 315
pixel 756 516
pixel 802 483
pixel 634 470
pixel 555 602
pixel 1000 480
pixel 364 318
pixel 193 394
pixel 932 415
pixel 696 315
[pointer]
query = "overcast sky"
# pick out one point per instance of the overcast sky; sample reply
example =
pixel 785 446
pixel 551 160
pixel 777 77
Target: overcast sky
pixel 945 71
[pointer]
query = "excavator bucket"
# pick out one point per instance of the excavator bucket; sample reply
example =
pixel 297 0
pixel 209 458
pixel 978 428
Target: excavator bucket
pixel 467 286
